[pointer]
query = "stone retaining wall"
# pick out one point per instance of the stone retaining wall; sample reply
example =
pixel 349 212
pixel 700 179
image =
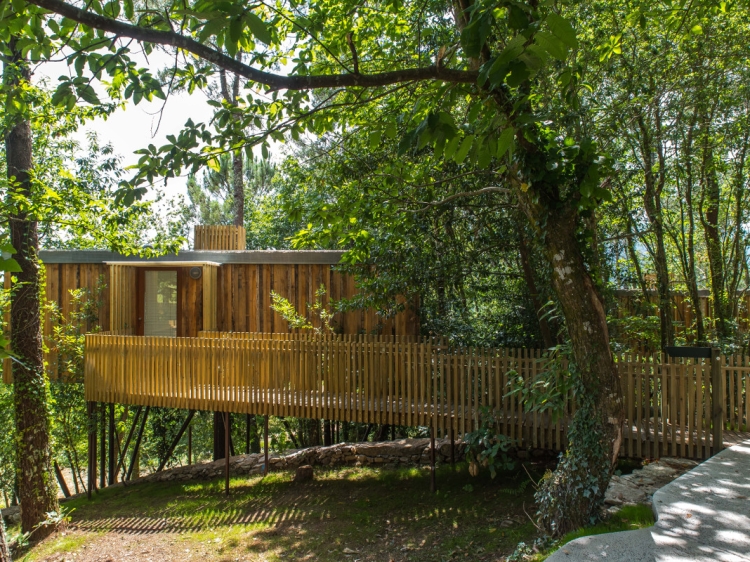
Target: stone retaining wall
pixel 386 454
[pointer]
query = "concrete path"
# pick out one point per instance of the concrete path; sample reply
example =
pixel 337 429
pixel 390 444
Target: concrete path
pixel 702 516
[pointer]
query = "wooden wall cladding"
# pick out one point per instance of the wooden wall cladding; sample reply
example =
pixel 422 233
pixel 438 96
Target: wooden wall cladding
pixel 60 279
pixel 244 299
pixel 190 309
pixel 210 277
pixel 122 300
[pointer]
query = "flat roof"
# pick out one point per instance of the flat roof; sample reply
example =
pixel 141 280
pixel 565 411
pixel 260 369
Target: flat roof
pixel 302 257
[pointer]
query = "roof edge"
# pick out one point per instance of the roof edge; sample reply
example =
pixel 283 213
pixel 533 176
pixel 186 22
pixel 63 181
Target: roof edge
pixel 301 257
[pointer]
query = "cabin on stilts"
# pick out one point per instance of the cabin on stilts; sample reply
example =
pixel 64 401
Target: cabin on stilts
pixel 155 318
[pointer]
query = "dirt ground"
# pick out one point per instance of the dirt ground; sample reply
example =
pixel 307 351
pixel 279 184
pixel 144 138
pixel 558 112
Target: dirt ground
pixel 347 514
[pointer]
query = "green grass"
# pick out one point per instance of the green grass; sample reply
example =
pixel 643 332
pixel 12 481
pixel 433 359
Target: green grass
pixel 377 514
pixel 629 518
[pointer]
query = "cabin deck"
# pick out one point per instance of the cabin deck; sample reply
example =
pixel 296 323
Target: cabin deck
pixel 404 381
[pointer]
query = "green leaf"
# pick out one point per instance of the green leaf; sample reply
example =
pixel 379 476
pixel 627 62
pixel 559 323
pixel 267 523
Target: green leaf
pixel 474 35
pixel 9 265
pixel 562 29
pixel 451 147
pixel 374 139
pixel 129 12
pixel 463 150
pixel 211 28
pixel 258 28
pixel 505 141
pixel 235 30
pixel 112 9
pixel 552 45
pixel 214 165
pixel 391 131
pixel 88 94
pixel 518 74
pixel 511 51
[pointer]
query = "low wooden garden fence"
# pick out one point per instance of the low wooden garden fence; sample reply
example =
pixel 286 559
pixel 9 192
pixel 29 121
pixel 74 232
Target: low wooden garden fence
pixel 369 380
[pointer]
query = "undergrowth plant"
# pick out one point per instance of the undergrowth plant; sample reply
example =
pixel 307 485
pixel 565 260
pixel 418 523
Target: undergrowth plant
pixel 487 446
pixel 297 321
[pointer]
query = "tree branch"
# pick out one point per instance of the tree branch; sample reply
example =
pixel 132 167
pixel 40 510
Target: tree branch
pixel 491 189
pixel 355 58
pixel 274 81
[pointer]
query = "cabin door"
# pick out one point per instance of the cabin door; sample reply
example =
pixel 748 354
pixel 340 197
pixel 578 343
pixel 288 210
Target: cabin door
pixel 158 303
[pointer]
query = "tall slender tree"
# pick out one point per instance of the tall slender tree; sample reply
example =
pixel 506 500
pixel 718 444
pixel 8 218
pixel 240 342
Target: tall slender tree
pixel 36 488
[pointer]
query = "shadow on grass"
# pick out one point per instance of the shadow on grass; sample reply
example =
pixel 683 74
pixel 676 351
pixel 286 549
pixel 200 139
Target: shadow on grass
pixel 276 499
pixel 346 510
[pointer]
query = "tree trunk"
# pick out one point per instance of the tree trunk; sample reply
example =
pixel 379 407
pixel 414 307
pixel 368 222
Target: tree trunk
pixel 36 486
pixel 690 275
pixel 238 176
pixel 573 494
pixel 652 205
pixel 711 194
pixel 4 551
pixel 528 275
pixel 239 189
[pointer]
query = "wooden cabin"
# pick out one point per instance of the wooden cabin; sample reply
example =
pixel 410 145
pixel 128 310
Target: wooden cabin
pixel 215 287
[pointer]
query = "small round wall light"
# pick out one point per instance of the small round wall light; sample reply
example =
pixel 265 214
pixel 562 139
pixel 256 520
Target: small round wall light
pixel 196 272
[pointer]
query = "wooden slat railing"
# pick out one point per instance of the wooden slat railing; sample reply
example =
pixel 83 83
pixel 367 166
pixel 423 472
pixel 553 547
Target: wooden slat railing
pixel 313 336
pixel 370 380
pixel 219 237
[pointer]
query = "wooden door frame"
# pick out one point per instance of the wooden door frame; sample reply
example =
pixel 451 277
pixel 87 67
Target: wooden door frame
pixel 140 298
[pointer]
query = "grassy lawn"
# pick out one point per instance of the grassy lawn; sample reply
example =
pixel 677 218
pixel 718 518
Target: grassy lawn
pixel 629 518
pixel 345 514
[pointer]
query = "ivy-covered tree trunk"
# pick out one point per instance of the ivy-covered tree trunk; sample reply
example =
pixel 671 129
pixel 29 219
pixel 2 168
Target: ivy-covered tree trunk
pixel 36 487
pixel 4 552
pixel 572 495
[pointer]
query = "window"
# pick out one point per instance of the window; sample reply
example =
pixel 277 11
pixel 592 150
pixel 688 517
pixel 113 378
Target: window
pixel 160 303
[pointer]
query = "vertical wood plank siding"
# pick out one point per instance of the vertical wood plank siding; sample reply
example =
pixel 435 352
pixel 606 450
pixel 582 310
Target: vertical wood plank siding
pixel 244 299
pixel 59 280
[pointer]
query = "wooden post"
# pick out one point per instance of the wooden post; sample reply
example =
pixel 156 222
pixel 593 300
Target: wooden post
pixel 717 400
pixel 124 451
pixel 60 481
pixel 190 445
pixel 433 485
pixel 91 468
pixel 226 448
pixel 247 434
pixel 265 445
pixel 137 446
pixel 453 448
pixel 176 440
pixel 103 446
pixel 112 461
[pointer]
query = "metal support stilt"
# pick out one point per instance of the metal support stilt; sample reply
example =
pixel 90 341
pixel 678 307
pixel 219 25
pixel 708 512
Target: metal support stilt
pixel 103 445
pixel 265 445
pixel 121 462
pixel 453 448
pixel 111 460
pixel 433 485
pixel 226 448
pixel 137 445
pixel 190 445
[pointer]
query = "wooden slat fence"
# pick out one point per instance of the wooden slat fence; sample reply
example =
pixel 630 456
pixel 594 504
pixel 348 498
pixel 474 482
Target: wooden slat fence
pixel 219 237
pixel 310 335
pixel 357 379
